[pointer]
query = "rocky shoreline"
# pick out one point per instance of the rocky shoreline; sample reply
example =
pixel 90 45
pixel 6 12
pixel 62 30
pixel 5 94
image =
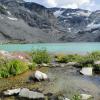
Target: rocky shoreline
pixel 65 82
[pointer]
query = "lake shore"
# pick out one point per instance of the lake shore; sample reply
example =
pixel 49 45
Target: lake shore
pixel 64 79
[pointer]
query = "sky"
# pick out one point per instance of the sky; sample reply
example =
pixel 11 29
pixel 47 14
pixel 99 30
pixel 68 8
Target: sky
pixel 83 4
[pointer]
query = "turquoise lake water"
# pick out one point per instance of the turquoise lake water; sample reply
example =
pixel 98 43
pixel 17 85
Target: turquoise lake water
pixel 54 47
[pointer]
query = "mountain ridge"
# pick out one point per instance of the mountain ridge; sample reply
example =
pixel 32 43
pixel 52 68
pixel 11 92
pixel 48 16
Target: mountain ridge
pixel 29 22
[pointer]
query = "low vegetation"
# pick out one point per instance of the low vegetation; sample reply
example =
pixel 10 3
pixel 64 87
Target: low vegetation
pixel 14 67
pixel 68 58
pixel 83 60
pixel 40 56
pixel 76 97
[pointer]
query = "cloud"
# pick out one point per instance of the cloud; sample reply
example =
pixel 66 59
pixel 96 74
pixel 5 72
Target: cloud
pixel 85 4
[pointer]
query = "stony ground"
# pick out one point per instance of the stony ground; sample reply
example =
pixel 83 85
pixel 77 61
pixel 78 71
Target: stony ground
pixel 63 80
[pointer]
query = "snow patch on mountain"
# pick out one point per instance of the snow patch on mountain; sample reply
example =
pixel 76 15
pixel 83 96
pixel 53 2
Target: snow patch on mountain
pixel 58 13
pixel 9 13
pixel 12 18
pixel 93 25
pixel 82 13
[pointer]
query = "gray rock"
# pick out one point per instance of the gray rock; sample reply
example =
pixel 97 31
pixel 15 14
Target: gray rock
pixel 72 63
pixel 86 96
pixel 12 92
pixel 26 93
pixel 87 71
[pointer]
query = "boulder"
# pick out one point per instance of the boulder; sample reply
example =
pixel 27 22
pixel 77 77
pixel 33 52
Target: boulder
pixel 71 63
pixel 12 92
pixel 40 76
pixel 87 71
pixel 44 65
pixel 86 96
pixel 26 93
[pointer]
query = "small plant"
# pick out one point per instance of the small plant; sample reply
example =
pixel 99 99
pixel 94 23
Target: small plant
pixel 94 55
pixel 17 67
pixel 86 62
pixel 12 67
pixel 97 68
pixel 32 66
pixel 40 56
pixel 61 59
pixel 68 58
pixel 76 97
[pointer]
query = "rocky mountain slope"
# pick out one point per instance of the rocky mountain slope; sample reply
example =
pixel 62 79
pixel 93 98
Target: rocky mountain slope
pixel 25 22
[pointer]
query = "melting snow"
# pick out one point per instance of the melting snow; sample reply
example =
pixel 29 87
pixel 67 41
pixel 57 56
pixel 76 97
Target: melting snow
pixel 9 13
pixel 12 18
pixel 69 29
pixel 82 13
pixel 58 13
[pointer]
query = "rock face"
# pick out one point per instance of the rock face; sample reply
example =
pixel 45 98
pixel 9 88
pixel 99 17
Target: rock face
pixel 87 71
pixel 26 93
pixel 27 22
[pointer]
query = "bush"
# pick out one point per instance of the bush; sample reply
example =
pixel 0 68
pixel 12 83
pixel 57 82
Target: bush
pixel 97 68
pixel 86 62
pixel 17 67
pixel 68 58
pixel 94 55
pixel 40 56
pixel 61 58
pixel 12 67
pixel 76 97
pixel 33 66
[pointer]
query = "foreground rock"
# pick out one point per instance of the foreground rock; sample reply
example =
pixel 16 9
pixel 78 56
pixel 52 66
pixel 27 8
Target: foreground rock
pixel 26 93
pixel 86 96
pixel 87 71
pixel 72 63
pixel 40 76
pixel 12 92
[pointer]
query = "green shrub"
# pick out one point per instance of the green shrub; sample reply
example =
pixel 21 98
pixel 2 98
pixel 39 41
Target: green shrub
pixel 11 67
pixel 76 97
pixel 86 62
pixel 17 67
pixel 61 59
pixel 68 58
pixel 40 56
pixel 94 55
pixel 97 68
pixel 33 66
